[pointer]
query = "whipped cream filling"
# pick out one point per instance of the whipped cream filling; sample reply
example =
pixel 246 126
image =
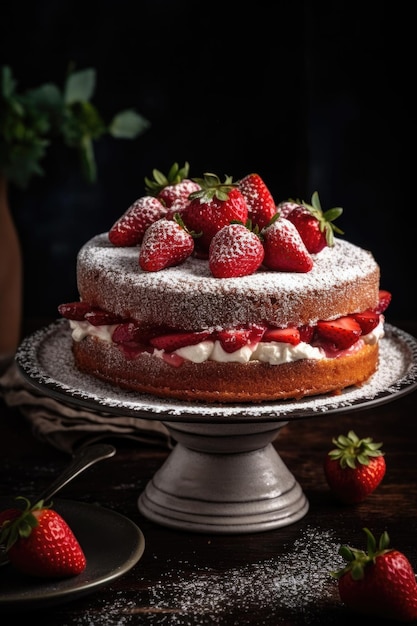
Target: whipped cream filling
pixel 272 352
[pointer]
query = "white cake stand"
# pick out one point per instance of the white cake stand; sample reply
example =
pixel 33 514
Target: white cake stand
pixel 224 474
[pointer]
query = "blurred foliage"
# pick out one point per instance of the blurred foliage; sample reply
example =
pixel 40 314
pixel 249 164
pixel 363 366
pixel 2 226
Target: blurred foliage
pixel 31 121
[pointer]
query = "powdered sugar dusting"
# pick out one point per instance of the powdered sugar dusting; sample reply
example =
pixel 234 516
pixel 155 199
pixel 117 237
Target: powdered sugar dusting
pixel 344 279
pixel 45 358
pixel 289 584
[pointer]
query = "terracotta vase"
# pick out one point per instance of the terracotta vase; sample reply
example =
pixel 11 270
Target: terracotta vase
pixel 10 278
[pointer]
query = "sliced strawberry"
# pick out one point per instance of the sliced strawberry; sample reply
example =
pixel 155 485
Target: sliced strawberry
pixel 214 206
pixel 261 204
pixel 367 320
pixel 166 243
pixel 130 228
pixel 285 335
pixel 284 248
pixel 98 317
pixel 235 251
pixel 180 339
pixel 384 300
pixel 306 333
pixel 342 332
pixel 173 359
pixel 74 310
pixel 234 339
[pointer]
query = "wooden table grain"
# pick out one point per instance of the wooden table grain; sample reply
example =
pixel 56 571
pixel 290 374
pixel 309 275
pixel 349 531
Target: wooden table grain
pixel 275 577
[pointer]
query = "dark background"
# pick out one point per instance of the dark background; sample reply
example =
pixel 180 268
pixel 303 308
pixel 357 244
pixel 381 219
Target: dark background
pixel 311 95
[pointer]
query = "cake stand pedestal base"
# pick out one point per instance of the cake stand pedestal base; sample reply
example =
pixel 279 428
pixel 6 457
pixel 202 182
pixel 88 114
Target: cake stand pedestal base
pixel 223 478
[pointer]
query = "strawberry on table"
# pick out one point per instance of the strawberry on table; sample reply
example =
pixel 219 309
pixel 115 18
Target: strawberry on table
pixel 284 248
pixel 40 543
pixel 215 205
pixel 315 227
pixel 261 204
pixel 235 250
pixel 130 228
pixel 378 582
pixel 166 243
pixel 355 468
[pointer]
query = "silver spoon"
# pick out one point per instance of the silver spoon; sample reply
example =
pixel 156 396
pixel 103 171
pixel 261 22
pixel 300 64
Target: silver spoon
pixel 82 459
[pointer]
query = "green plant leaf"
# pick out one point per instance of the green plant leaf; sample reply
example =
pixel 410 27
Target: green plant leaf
pixel 128 125
pixel 80 86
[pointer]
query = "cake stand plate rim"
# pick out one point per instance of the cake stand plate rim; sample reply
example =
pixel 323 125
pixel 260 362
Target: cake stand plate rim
pixel 37 361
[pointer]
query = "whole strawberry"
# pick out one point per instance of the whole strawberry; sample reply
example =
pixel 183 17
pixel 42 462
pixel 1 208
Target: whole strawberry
pixel 284 248
pixel 173 189
pixel 355 468
pixel 130 228
pixel 40 543
pixel 379 582
pixel 166 243
pixel 214 206
pixel 235 250
pixel 315 227
pixel 261 204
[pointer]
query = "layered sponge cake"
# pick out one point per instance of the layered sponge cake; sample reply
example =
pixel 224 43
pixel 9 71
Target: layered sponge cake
pixel 252 335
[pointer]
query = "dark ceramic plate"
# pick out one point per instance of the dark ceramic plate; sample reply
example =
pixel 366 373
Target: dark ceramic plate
pixel 112 543
pixel 45 361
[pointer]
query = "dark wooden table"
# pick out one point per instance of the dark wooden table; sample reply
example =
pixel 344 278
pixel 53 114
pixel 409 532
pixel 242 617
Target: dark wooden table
pixel 280 576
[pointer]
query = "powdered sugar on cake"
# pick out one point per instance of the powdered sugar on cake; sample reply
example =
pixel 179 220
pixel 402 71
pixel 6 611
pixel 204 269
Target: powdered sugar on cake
pixel 107 273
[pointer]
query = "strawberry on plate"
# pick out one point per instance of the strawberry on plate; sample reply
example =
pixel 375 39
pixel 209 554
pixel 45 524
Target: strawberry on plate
pixel 215 205
pixel 235 250
pixel 166 243
pixel 261 204
pixel 40 543
pixel 355 468
pixel 284 249
pixel 130 228
pixel 315 227
pixel 378 582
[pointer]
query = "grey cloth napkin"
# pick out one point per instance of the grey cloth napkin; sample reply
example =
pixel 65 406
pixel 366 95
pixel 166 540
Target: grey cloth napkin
pixel 68 428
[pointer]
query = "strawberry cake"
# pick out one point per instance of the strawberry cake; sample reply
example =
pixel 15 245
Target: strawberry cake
pixel 221 295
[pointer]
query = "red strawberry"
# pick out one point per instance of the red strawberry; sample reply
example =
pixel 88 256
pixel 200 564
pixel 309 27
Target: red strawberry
pixel 284 248
pixel 384 300
pixel 378 582
pixel 130 228
pixel 172 190
pixel 166 243
pixel 315 227
pixel 232 339
pixel 261 204
pixel 98 317
pixel 214 206
pixel 235 251
pixel 40 543
pixel 367 320
pixel 286 335
pixel 342 332
pixel 178 339
pixel 355 468
pixel 74 310
pixel 285 207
